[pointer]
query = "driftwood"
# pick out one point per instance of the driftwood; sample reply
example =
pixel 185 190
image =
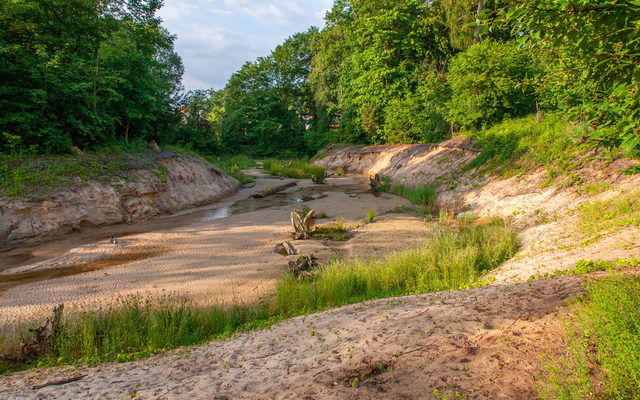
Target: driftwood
pixel 304 265
pixel 375 182
pixel 302 226
pixel 273 190
pixel 289 248
pixel 59 382
pixel 40 335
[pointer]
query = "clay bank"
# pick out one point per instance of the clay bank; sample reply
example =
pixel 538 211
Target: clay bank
pixel 168 183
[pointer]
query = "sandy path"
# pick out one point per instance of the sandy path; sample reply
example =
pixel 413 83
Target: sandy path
pixel 484 343
pixel 228 259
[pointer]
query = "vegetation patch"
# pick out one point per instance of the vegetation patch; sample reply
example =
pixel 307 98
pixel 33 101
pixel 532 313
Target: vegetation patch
pixel 134 328
pixel 233 165
pixel 297 169
pixel 38 177
pixel 516 146
pixel 602 334
pixel 598 217
pixel 331 233
pixel 423 194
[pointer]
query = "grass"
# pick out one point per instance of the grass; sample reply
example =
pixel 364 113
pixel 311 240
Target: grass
pixel 371 214
pixel 447 260
pixel 516 146
pixel 598 217
pixel 233 165
pixel 297 169
pixel 331 233
pixel 40 176
pixel 602 333
pixel 423 194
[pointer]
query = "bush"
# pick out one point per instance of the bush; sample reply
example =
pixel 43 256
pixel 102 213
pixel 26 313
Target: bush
pixel 489 82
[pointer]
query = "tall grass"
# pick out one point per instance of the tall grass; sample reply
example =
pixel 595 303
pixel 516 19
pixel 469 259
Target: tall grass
pixel 516 146
pixel 447 260
pixel 233 165
pixel 293 168
pixel 423 194
pixel 603 345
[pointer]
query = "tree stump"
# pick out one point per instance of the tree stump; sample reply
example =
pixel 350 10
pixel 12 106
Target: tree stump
pixel 302 226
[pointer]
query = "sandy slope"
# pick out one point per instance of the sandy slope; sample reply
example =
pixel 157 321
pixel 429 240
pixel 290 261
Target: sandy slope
pixel 484 343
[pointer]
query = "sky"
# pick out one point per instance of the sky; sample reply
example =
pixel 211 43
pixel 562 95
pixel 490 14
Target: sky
pixel 215 37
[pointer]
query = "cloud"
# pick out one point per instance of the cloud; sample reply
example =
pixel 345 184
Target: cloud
pixel 216 37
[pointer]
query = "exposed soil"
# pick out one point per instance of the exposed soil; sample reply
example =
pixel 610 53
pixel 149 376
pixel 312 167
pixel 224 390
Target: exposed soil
pixel 483 343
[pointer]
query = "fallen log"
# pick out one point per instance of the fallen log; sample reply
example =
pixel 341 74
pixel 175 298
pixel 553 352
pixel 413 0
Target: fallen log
pixel 273 190
pixel 40 335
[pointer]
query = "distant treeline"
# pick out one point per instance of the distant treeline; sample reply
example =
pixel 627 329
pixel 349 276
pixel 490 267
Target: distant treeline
pixel 381 71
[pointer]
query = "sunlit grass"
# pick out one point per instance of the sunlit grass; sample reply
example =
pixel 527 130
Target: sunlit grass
pixel 602 333
pixel 449 259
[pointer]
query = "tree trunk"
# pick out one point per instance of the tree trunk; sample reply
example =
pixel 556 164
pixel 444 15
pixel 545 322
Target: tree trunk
pixel 476 32
pixel 126 131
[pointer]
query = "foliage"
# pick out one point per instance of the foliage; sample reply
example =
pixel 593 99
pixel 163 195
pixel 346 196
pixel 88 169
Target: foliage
pixel 423 194
pixel 599 217
pixel 293 168
pixel 371 215
pixel 84 73
pixel 519 145
pixel 490 82
pixel 233 165
pixel 602 359
pixel 267 102
pixel 604 39
pixel 40 176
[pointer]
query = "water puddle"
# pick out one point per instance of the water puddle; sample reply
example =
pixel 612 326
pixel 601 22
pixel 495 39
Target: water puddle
pixel 9 281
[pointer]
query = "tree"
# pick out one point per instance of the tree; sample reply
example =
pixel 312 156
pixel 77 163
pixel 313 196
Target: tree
pixel 605 40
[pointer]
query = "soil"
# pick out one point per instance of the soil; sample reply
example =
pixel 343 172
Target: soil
pixel 478 343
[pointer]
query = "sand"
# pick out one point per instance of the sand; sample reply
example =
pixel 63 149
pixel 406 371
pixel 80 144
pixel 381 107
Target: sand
pixel 223 260
pixel 481 343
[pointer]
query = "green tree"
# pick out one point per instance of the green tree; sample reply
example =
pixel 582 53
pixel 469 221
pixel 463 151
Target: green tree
pixel 604 40
pixel 490 82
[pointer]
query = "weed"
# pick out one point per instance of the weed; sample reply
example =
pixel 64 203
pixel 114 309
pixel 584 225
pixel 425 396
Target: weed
pixel 339 171
pixel 370 215
pixel 423 194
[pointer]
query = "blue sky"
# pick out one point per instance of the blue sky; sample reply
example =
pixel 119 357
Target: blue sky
pixel 215 37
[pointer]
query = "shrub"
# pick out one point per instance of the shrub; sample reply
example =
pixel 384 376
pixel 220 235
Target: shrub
pixel 489 84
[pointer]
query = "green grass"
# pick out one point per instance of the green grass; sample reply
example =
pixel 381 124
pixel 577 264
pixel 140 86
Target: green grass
pixel 297 169
pixel 423 194
pixel 331 233
pixel 447 260
pixel 599 217
pixel 371 214
pixel 233 165
pixel 602 333
pixel 40 176
pixel 516 146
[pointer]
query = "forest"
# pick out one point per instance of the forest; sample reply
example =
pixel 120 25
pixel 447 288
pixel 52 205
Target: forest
pixel 102 73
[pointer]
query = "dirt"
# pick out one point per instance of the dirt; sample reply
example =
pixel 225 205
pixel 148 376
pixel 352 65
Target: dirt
pixel 481 343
